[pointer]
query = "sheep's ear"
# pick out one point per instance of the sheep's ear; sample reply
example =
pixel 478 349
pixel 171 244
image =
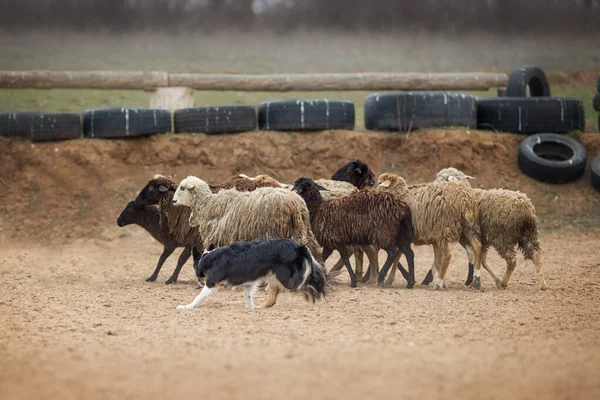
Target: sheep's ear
pixel 244 176
pixel 163 189
pixel 469 177
pixel 385 183
pixel 321 187
pixel 211 247
pixel 190 187
pixel 357 169
pixel 284 185
pixel 452 179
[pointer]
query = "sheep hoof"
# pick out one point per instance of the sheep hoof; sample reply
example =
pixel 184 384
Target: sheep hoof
pixel 169 281
pixel 151 279
pixel 388 283
pixel 468 282
pixel 410 285
pixel 543 287
pixel 476 283
pixel 352 284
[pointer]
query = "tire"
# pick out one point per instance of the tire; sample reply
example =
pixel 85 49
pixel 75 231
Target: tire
pixel 501 92
pixel 407 111
pixel 596 102
pixel 531 115
pixel 528 76
pixel 306 115
pixel 595 172
pixel 214 120
pixel 598 85
pixel 41 127
pixel 552 158
pixel 114 123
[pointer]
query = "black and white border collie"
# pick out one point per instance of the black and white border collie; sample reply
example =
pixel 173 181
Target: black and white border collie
pixel 283 263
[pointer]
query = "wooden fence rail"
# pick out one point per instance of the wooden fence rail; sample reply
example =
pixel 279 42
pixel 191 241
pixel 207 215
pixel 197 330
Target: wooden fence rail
pixel 137 80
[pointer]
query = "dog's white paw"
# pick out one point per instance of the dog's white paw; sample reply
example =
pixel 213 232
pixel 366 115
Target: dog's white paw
pixel 180 307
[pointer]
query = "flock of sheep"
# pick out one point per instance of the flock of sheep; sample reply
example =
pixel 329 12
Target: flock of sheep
pixel 352 213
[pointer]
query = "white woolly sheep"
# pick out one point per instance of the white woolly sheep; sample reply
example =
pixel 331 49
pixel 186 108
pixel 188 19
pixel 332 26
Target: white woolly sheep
pixel 232 216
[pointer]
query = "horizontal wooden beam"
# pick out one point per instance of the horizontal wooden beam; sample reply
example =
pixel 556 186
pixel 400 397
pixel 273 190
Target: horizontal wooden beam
pixel 272 83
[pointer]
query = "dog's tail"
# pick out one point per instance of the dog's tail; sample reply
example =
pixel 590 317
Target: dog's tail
pixel 315 284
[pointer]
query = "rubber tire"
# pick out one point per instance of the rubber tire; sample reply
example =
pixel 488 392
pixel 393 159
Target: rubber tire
pixel 306 115
pixel 569 169
pixel 596 102
pixel 598 85
pixel 114 123
pixel 407 111
pixel 215 120
pixel 595 172
pixel 528 75
pixel 41 127
pixel 531 114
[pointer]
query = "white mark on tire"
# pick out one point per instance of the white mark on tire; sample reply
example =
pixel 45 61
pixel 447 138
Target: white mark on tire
pixel 520 126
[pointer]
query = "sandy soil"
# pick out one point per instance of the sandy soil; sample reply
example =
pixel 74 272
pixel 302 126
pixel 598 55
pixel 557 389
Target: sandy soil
pixel 79 321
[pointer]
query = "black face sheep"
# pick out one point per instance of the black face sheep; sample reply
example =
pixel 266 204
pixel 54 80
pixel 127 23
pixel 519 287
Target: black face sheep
pixel 149 218
pixel 363 218
pixel 232 216
pixel 282 263
pixel 507 219
pixel 357 173
pixel 441 214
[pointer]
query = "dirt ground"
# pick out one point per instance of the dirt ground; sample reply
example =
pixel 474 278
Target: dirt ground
pixel 78 320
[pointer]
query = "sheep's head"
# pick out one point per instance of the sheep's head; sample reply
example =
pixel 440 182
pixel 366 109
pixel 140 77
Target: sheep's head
pixel 188 188
pixel 308 190
pixel 357 173
pixel 451 175
pixel 267 180
pixel 154 191
pixel 391 183
pixel 128 215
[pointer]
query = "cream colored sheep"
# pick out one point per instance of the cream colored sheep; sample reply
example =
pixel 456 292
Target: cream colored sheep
pixel 506 219
pixel 441 214
pixel 231 216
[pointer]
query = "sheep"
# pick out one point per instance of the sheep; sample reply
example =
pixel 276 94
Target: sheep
pixel 244 183
pixel 149 218
pixel 441 214
pixel 363 218
pixel 160 190
pixel 231 216
pixel 357 173
pixel 506 219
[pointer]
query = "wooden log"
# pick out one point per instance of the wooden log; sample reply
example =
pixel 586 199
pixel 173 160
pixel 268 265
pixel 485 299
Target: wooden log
pixel 275 83
pixel 350 81
pixel 122 80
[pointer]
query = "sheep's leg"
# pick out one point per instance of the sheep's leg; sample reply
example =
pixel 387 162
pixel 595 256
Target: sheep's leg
pixel 204 293
pixel 488 267
pixel 410 260
pixel 442 260
pixel 167 251
pixel 392 276
pixel 183 257
pixel 392 255
pixel 326 253
pixel 537 261
pixel 358 261
pixel 371 275
pixel 476 246
pixel 344 253
pixel 338 265
pixel 511 263
pixel 465 244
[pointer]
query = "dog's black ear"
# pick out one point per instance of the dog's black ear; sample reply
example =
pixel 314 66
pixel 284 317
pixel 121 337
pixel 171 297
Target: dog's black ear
pixel 211 247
